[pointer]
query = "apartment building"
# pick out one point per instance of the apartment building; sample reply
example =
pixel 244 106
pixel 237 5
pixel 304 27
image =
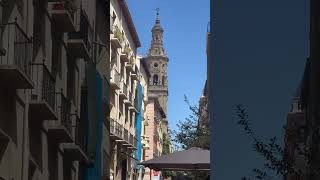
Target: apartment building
pixel 145 142
pixel 125 90
pixel 153 134
pixel 53 64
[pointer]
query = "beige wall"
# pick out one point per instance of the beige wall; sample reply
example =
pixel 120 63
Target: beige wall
pixel 120 112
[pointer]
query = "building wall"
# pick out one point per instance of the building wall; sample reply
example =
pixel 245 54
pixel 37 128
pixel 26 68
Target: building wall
pixel 31 152
pixel 120 107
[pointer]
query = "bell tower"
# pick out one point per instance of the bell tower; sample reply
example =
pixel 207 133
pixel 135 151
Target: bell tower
pixel 157 61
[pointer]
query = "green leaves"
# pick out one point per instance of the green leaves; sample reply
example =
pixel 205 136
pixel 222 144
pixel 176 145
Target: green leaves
pixel 190 135
pixel 275 164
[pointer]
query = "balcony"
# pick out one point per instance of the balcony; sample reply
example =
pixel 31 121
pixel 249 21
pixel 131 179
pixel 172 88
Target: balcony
pixel 15 57
pixel 115 79
pixel 126 136
pixel 124 56
pixel 128 101
pixel 42 103
pixel 116 38
pixel 132 142
pixel 116 130
pixel 77 151
pixel 61 131
pixel 80 43
pixel 135 76
pixel 63 14
pixel 129 66
pixel 123 91
pixel 145 142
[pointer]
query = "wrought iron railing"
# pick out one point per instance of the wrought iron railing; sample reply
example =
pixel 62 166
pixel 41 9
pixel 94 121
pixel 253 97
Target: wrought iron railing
pixel 85 33
pixel 15 47
pixel 64 107
pixel 44 84
pixel 116 128
pixel 126 135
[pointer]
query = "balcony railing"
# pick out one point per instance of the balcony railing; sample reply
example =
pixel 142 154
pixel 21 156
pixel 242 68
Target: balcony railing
pixel 126 135
pixel 116 128
pixel 15 54
pixel 63 14
pixel 115 77
pixel 80 42
pixel 44 82
pixel 64 106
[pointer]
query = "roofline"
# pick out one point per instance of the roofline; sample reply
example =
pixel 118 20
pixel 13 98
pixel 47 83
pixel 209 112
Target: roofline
pixel 128 18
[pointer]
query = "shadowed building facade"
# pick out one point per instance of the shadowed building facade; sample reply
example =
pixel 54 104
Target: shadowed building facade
pixel 54 87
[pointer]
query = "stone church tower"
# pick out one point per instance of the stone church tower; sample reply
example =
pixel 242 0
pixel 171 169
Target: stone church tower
pixel 157 62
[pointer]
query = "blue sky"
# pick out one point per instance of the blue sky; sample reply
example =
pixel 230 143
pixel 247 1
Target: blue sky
pixel 185 26
pixel 259 57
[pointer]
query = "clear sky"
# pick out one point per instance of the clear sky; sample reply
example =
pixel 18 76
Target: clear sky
pixel 185 26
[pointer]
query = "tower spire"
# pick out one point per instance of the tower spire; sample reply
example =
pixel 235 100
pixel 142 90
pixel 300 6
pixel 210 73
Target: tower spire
pixel 157 38
pixel 158 18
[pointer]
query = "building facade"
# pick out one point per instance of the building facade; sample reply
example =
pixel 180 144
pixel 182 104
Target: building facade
pixel 156 63
pixel 125 105
pixel 295 140
pixel 203 109
pixel 53 90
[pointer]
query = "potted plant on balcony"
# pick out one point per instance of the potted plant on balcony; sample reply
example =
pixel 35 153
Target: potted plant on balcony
pixel 118 34
pixel 127 50
pixel 131 60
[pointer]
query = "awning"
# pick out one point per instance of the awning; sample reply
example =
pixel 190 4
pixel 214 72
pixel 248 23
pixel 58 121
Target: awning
pixel 188 160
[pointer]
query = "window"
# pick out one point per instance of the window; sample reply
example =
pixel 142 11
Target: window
pixel 56 55
pixel 155 79
pixel 71 79
pixel 155 65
